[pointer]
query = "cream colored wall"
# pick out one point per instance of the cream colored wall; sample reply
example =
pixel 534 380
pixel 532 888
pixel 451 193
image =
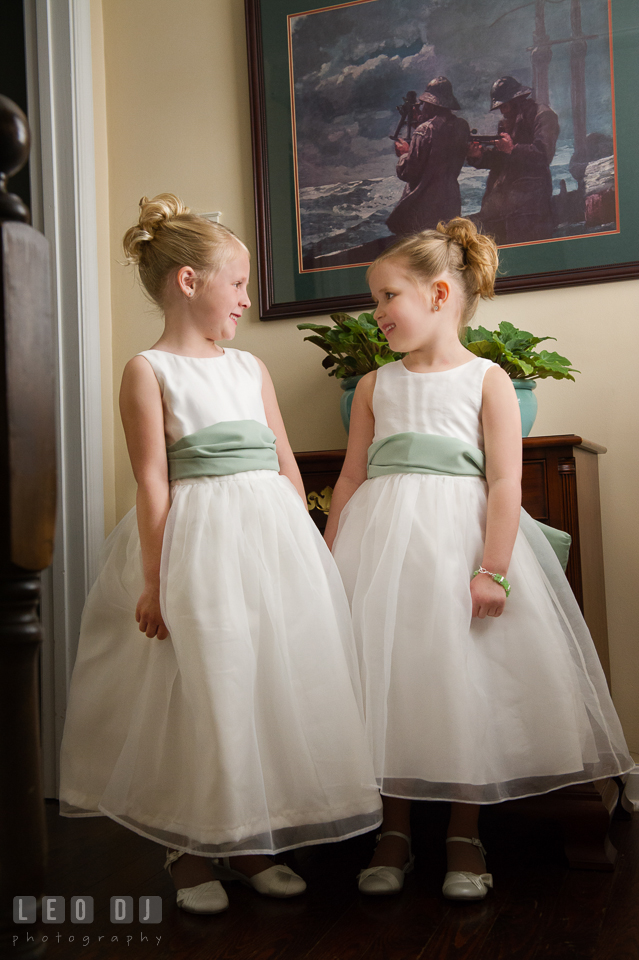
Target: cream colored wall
pixel 178 120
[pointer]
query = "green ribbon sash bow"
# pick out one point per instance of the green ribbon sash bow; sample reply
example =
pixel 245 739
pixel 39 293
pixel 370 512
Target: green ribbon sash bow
pixel 233 446
pixel 447 456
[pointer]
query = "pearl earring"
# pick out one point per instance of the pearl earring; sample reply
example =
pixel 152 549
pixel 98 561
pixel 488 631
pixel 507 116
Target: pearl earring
pixel 435 305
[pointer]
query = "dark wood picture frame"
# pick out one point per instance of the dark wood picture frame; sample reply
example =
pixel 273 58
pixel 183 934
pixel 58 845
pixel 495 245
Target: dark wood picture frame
pixel 624 17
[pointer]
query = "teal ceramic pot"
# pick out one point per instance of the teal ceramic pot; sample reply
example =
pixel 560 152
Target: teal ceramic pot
pixel 348 385
pixel 527 404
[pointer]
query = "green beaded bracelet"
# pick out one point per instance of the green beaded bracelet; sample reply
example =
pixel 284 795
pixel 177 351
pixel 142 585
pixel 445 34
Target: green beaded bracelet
pixel 497 577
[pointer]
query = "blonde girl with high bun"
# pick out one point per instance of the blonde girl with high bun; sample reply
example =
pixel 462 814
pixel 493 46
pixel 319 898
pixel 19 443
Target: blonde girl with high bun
pixel 215 705
pixel 481 682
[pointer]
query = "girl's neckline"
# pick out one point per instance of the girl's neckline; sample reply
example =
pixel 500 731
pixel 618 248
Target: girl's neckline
pixel 436 373
pixel 184 357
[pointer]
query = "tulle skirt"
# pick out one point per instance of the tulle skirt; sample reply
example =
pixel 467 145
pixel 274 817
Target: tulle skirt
pixel 458 708
pixel 242 732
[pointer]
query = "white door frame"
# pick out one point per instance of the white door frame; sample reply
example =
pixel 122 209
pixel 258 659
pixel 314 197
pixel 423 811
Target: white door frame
pixel 60 100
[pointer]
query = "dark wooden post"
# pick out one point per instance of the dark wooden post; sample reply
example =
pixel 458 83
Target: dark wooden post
pixel 27 516
pixel 541 55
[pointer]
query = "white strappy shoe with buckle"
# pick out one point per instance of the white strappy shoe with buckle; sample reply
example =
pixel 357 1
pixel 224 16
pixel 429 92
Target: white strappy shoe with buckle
pixel 276 881
pixel 378 881
pixel 208 897
pixel 462 885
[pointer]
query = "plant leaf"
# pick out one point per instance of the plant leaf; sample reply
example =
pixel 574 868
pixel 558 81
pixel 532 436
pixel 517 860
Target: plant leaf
pixel 485 348
pixel 471 336
pixel 313 326
pixel 318 341
pixel 513 349
pixel 352 346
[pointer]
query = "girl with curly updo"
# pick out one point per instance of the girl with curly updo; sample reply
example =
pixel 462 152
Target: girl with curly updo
pixel 472 693
pixel 215 703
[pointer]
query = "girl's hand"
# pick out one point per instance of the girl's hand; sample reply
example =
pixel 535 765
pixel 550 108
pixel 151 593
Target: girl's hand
pixel 489 598
pixel 148 615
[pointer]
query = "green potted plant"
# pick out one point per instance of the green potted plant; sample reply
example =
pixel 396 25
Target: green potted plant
pixel 353 347
pixel 513 350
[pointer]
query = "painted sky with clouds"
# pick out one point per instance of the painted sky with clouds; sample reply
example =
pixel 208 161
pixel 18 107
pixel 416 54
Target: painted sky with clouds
pixel 353 65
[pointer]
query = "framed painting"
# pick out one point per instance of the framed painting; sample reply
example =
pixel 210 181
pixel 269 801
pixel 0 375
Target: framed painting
pixel 376 118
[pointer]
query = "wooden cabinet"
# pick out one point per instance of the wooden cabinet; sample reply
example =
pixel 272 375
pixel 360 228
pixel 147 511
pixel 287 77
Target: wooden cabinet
pixel 560 486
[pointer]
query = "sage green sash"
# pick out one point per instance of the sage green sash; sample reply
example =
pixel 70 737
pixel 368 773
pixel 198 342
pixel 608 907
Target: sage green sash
pixel 233 446
pixel 448 456
pixel 425 453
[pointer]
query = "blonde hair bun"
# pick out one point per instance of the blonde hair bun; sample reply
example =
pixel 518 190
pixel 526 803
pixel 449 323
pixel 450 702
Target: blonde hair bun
pixel 168 236
pixel 153 214
pixel 480 251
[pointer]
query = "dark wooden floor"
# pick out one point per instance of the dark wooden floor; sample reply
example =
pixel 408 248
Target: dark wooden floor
pixel 538 909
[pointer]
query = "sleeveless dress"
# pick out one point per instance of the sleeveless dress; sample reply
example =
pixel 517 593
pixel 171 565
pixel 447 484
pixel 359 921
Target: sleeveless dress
pixel 243 731
pixel 459 708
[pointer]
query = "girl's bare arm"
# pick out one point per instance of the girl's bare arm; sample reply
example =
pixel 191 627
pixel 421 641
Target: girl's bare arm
pixel 143 420
pixel 360 437
pixel 502 440
pixel 288 463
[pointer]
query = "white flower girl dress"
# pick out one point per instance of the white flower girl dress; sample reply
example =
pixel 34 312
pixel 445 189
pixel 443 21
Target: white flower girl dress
pixel 458 708
pixel 242 732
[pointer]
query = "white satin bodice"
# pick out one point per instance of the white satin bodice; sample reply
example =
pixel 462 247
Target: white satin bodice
pixel 198 392
pixel 447 403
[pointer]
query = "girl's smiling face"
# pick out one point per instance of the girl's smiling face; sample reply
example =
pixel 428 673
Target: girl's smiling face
pixel 220 299
pixel 404 311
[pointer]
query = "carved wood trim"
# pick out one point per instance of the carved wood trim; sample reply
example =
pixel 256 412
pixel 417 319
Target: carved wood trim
pixel 27 507
pixel 30 395
pixel 567 470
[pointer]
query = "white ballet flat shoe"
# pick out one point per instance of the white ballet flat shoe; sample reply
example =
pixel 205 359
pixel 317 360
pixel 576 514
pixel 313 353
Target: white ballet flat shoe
pixel 380 881
pixel 276 881
pixel 462 885
pixel 208 897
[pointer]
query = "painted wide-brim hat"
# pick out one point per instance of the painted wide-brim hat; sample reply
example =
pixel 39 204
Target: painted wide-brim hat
pixel 506 89
pixel 440 93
